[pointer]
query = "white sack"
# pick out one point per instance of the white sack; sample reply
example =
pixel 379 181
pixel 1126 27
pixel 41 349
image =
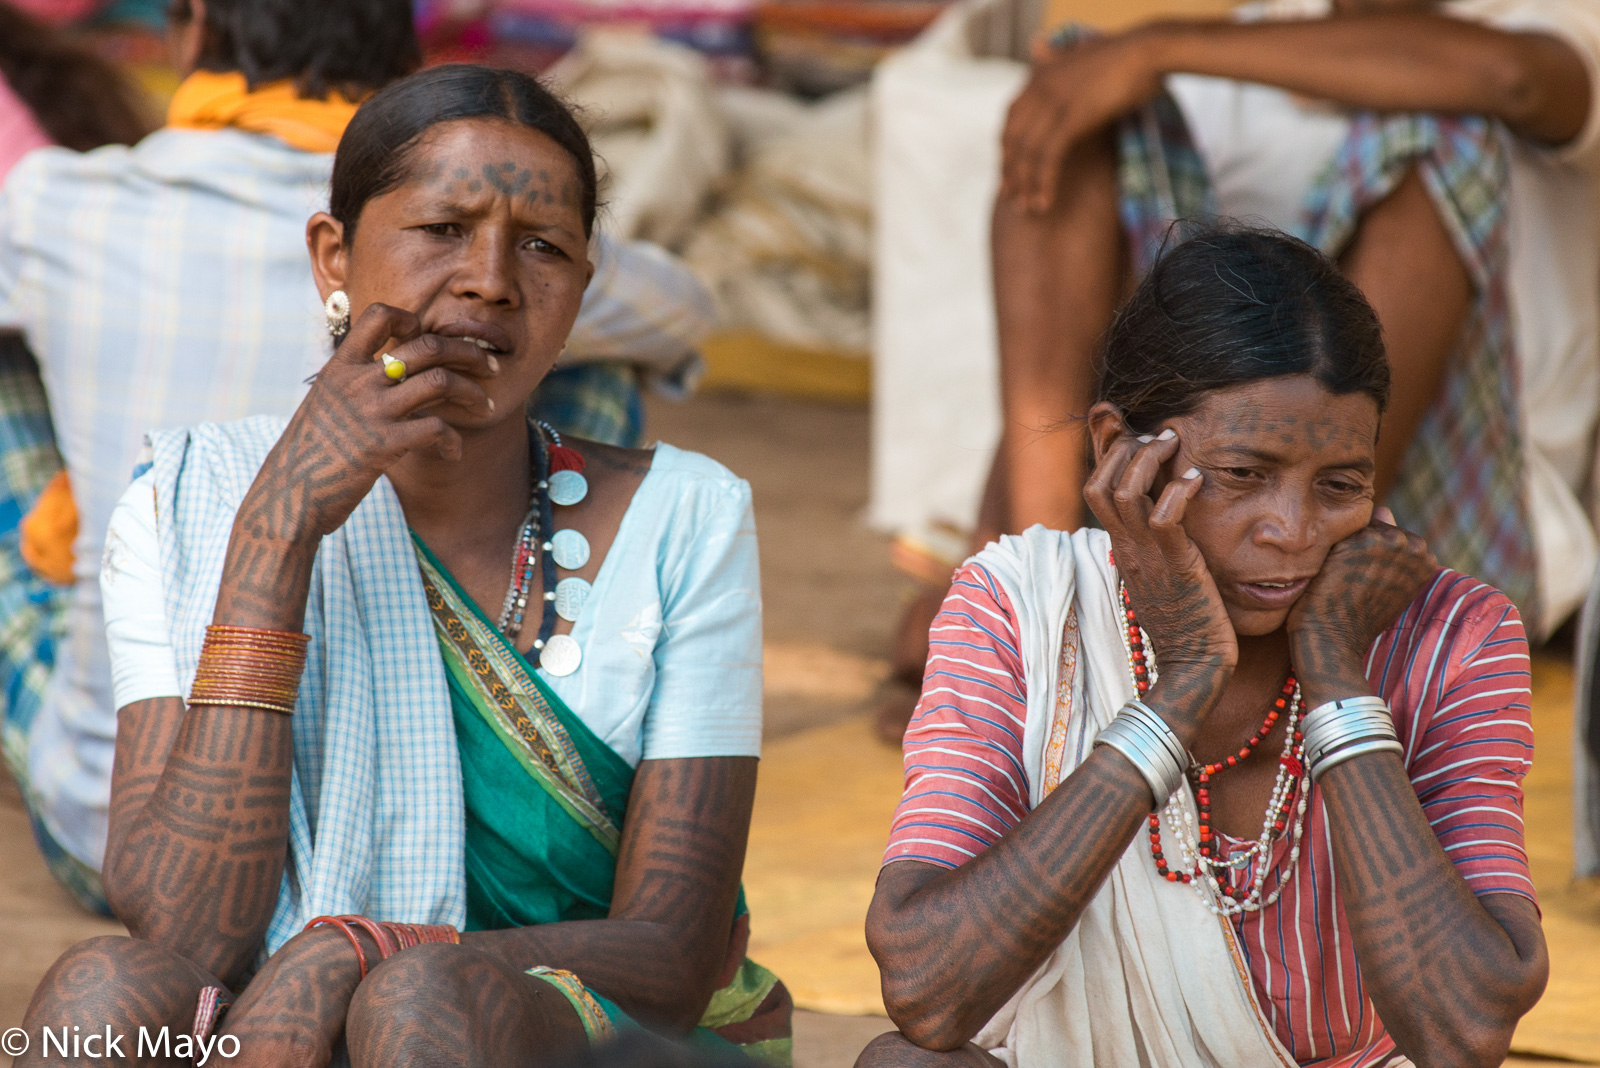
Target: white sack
pixel 652 116
pixel 937 111
pixel 787 251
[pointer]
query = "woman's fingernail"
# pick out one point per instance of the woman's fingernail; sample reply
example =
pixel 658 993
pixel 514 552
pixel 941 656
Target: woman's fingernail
pixel 491 403
pixel 1193 472
pixel 494 365
pixel 1167 434
pixel 1146 438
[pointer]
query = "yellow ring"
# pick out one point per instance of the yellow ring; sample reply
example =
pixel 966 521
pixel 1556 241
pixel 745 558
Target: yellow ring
pixel 395 369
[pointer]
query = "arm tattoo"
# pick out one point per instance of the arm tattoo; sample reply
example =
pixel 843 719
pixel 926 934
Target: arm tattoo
pixel 947 964
pixel 1448 974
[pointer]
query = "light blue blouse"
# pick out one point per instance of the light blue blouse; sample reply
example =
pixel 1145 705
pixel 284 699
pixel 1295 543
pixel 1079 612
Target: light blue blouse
pixel 671 634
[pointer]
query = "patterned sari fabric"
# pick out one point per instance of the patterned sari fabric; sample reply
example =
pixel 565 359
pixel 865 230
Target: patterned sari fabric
pixel 1462 485
pixel 544 803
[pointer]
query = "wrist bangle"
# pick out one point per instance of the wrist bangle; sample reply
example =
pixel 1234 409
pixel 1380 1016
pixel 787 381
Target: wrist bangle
pixel 340 924
pixel 244 667
pixel 1344 728
pixel 1143 737
pixel 1362 748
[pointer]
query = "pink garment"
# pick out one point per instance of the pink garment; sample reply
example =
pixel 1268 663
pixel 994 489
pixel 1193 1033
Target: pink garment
pixel 58 12
pixel 20 132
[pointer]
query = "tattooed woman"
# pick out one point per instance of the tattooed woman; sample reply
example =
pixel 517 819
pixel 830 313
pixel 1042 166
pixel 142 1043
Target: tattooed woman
pixel 1235 781
pixel 374 787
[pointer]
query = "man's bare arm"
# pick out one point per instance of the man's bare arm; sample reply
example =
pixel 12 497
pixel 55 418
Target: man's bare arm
pixel 1405 60
pixel 1395 61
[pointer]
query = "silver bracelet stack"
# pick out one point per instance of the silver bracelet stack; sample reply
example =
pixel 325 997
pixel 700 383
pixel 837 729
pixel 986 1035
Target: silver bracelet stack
pixel 1347 728
pixel 1142 736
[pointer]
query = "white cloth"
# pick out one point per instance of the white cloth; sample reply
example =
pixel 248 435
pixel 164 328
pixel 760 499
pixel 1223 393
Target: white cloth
pixel 671 633
pixel 1148 976
pixel 937 107
pixel 1263 149
pixel 167 284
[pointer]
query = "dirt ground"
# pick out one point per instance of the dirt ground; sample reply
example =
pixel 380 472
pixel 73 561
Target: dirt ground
pixel 829 592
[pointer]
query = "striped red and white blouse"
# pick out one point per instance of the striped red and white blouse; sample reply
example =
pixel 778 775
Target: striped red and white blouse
pixel 1454 670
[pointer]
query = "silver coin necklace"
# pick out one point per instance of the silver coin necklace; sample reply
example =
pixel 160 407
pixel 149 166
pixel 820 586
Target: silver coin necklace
pixel 557 480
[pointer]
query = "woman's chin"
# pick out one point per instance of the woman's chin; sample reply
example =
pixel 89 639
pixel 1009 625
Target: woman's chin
pixel 1252 622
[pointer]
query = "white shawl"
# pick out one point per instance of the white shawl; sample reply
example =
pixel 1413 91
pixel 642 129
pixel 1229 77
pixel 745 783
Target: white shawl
pixel 1148 977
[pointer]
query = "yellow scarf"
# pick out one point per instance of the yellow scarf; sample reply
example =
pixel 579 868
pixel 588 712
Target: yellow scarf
pixel 208 100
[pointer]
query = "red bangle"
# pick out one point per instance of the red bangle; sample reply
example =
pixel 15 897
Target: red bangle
pixel 415 934
pixel 340 923
pixel 389 937
pixel 387 945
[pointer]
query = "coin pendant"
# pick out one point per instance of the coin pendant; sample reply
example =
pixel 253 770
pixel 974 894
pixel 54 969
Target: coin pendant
pixel 568 487
pixel 561 655
pixel 570 549
pixel 571 593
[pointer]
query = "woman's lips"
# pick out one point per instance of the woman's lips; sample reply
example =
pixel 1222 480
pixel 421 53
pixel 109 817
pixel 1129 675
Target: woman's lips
pixel 1272 593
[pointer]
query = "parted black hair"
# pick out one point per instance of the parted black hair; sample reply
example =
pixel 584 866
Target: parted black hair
pixel 353 46
pixel 374 153
pixel 1233 305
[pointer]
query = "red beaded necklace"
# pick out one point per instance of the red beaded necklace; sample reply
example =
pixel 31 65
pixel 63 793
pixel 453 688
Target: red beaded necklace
pixel 1141 682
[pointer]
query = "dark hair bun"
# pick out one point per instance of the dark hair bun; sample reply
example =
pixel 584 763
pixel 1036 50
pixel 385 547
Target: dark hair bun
pixel 1233 305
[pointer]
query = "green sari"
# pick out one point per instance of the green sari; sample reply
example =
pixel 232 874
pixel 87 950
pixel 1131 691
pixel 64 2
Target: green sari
pixel 545 798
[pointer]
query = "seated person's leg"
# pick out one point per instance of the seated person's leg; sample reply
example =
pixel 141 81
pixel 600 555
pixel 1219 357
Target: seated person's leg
pixel 446 1004
pixel 1406 265
pixel 894 1050
pixel 1058 277
pixel 118 983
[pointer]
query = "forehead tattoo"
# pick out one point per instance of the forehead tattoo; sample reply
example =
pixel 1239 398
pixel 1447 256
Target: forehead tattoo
pixel 1290 429
pixel 535 187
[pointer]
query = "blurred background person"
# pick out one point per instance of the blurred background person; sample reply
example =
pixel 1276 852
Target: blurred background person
pixel 167 284
pixel 53 91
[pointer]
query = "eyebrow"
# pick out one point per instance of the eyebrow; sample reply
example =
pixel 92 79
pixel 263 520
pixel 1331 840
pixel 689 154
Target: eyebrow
pixel 1364 465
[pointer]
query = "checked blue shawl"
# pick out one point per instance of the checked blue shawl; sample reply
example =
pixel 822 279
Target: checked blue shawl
pixel 376 820
pixel 1462 484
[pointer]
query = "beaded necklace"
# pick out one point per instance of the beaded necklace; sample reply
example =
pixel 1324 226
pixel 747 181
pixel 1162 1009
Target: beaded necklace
pixel 1201 857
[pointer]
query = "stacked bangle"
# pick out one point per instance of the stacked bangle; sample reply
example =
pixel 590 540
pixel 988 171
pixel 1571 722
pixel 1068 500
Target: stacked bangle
pixel 249 668
pixel 389 937
pixel 1142 736
pixel 1346 728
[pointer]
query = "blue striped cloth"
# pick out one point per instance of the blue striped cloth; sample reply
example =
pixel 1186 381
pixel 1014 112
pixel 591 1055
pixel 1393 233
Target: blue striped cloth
pixel 376 818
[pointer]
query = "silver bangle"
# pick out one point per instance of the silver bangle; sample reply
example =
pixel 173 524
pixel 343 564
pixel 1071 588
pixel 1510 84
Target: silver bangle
pixel 1142 736
pixel 1362 748
pixel 1338 730
pixel 1331 734
pixel 1158 727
